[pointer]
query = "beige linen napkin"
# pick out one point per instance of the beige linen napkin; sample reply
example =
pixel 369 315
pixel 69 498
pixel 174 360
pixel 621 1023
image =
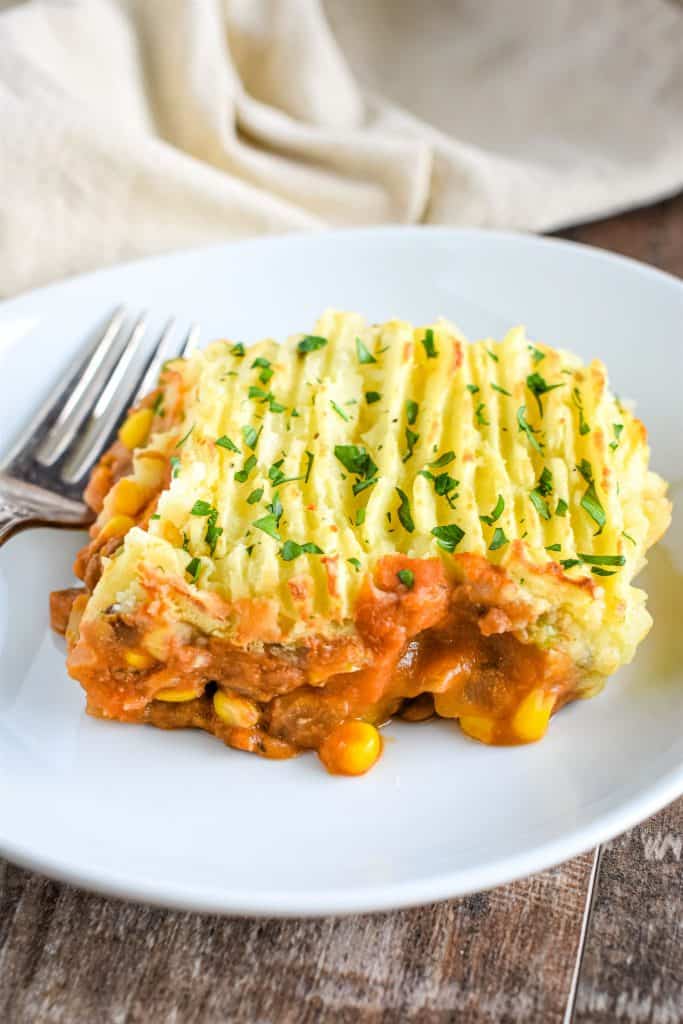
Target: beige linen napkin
pixel 129 128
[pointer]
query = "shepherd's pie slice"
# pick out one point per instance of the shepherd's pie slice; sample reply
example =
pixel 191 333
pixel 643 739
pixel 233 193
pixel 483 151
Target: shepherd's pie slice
pixel 296 541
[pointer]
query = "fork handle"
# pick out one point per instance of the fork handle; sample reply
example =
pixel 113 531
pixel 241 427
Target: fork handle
pixel 12 517
pixel 22 504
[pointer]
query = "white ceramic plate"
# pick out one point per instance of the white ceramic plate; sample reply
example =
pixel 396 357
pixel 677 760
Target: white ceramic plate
pixel 179 819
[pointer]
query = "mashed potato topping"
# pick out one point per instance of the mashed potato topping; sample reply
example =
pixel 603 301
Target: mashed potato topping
pixel 272 482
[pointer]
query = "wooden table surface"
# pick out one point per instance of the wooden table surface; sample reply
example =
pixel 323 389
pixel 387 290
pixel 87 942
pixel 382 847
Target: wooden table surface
pixel 597 939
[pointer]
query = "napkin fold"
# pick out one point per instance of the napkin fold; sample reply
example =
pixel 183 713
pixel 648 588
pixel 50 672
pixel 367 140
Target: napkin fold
pixel 130 127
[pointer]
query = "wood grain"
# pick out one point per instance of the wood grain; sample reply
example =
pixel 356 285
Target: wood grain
pixel 632 965
pixel 632 968
pixel 509 955
pixel 501 956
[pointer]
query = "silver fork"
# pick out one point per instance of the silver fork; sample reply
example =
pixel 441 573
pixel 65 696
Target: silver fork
pixel 42 477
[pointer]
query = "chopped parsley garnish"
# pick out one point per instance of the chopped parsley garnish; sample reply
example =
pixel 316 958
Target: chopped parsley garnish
pixel 411 440
pixel 364 356
pixel 472 388
pixel 480 416
pixel 372 396
pixel 242 475
pixel 356 460
pixel 617 428
pixel 562 507
pixel 586 470
pixel 277 477
pixel 500 390
pixel 310 343
pixel 265 396
pixel 528 429
pixel 496 512
pixel 355 562
pixel 412 409
pixel 538 386
pixel 192 568
pixel 428 343
pixel 265 367
pixel 406 577
pixel 540 504
pixel 225 442
pixel 623 534
pixel 339 412
pixel 448 537
pixel 158 407
pixel 175 465
pixel 540 492
pixel 545 482
pixel 309 456
pixel 499 539
pixel 251 436
pixel 360 516
pixel 404 513
pixel 182 440
pixel 602 559
pixel 268 524
pixel 237 350
pixel 554 547
pixel 597 571
pixel 492 354
pixel 291 550
pixel 255 496
pixel 275 508
pixel 443 460
pixel 569 563
pixel 536 353
pixel 444 483
pixel 155 515
pixel 578 402
pixel 213 532
pixel 590 502
pixel 362 485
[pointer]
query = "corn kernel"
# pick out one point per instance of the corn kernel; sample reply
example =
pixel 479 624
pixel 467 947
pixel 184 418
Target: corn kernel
pixel 77 609
pixel 235 711
pixel 478 727
pixel 156 642
pixel 138 659
pixel 530 720
pixel 175 694
pixel 116 527
pixel 448 704
pixel 351 748
pixel 135 429
pixel 127 497
pixel 172 534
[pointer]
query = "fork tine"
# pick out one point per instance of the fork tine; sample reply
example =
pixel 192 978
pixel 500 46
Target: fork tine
pixel 108 408
pixel 75 408
pixel 162 351
pixel 191 341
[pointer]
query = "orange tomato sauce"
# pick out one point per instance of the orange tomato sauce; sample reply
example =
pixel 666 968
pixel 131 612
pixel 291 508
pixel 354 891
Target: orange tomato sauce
pixel 438 644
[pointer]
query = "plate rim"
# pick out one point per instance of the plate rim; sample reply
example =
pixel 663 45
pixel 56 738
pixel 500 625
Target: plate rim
pixel 374 897
pixel 361 899
pixel 417 230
